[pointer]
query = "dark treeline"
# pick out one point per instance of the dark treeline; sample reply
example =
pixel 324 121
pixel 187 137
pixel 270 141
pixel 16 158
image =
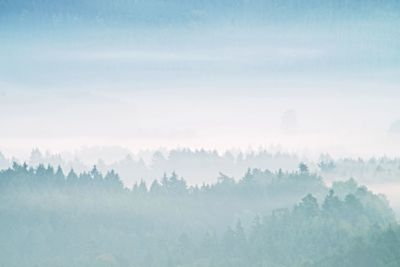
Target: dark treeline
pixel 201 165
pixel 266 218
pixel 197 165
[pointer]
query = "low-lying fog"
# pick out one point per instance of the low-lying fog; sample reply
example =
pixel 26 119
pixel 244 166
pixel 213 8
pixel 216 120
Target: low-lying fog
pixel 199 166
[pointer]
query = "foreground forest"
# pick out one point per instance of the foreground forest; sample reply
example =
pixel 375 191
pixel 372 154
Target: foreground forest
pixel 49 218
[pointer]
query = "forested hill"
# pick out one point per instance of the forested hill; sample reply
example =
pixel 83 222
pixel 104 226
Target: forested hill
pixel 48 218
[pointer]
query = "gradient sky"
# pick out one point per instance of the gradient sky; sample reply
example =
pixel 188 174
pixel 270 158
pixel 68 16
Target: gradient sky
pixel 144 74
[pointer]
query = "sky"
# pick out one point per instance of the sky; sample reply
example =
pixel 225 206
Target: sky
pixel 214 74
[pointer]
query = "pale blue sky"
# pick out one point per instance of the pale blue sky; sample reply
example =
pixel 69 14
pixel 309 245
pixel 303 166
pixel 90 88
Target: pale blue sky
pixel 193 72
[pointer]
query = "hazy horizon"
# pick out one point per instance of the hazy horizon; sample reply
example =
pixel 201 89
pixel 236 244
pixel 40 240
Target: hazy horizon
pixel 149 74
pixel 205 133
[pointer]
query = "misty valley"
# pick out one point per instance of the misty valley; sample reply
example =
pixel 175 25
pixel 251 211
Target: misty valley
pixel 199 133
pixel 265 218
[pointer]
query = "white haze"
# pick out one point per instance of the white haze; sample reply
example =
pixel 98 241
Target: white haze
pixel 346 124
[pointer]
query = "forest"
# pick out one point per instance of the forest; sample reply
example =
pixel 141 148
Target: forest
pixel 201 165
pixel 266 218
pixel 208 133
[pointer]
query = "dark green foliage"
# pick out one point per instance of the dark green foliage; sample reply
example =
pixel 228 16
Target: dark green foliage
pixel 90 219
